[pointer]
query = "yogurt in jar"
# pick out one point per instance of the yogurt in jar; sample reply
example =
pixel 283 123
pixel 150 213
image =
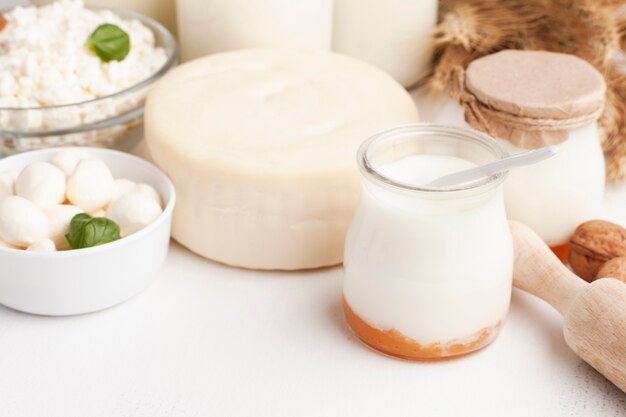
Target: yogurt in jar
pixel 428 272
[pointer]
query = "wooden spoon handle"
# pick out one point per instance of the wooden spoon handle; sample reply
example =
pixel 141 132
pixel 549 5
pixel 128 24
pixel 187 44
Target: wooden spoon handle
pixel 538 271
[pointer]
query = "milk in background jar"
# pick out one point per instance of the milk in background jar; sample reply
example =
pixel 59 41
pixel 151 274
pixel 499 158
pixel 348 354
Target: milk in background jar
pixel 394 35
pixel 428 272
pixel 211 26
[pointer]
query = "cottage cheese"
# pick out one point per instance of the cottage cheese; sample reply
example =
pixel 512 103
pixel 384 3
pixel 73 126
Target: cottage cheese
pixel 44 61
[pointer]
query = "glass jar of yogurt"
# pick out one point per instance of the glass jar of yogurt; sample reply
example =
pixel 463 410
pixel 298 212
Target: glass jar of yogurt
pixel 428 271
pixel 529 99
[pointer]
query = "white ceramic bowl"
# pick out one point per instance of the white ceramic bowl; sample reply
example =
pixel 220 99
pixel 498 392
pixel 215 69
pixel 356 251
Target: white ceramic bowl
pixel 91 279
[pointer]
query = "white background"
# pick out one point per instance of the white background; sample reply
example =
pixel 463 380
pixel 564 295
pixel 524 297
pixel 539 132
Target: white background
pixel 208 340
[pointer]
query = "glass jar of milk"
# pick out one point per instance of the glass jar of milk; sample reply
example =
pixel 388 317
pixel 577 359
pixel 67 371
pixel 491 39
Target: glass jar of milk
pixel 428 271
pixel 529 99
pixel 210 26
pixel 394 35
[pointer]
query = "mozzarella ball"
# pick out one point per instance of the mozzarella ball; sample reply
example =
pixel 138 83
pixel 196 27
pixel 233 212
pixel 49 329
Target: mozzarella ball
pixel 149 191
pixel 22 223
pixel 45 245
pixel 90 187
pixel 42 183
pixel 59 218
pixel 98 213
pixel 67 159
pixel 6 245
pixel 133 212
pixel 7 184
pixel 122 187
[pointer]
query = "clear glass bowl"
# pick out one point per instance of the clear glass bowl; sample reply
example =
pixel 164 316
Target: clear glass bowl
pixel 87 123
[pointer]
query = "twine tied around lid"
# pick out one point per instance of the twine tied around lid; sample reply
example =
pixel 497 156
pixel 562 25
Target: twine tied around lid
pixel 522 131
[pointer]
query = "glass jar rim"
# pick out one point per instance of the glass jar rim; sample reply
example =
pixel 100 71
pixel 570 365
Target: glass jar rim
pixel 427 129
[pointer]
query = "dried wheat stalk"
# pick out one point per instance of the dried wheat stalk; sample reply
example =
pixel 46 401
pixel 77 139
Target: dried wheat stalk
pixel 594 30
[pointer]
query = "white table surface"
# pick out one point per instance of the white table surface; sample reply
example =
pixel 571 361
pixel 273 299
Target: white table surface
pixel 209 340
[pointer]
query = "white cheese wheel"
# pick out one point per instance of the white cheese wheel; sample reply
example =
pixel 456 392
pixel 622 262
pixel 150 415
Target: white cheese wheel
pixel 261 146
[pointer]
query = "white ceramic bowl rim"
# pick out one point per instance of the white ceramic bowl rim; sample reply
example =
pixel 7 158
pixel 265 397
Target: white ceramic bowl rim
pixel 107 246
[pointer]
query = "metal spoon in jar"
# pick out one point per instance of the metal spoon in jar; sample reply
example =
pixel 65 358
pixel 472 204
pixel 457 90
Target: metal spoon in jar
pixel 501 165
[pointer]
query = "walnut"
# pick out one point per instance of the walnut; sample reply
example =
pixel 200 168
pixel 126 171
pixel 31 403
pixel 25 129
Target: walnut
pixel 615 268
pixel 594 243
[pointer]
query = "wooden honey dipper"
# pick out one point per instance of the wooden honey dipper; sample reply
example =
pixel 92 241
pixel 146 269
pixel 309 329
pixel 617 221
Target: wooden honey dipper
pixel 595 314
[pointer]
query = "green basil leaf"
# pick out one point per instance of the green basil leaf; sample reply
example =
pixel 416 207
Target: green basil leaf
pixel 76 226
pixel 86 231
pixel 109 42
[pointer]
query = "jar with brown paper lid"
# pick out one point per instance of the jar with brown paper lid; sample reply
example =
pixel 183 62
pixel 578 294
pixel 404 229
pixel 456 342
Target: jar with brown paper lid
pixel 529 99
